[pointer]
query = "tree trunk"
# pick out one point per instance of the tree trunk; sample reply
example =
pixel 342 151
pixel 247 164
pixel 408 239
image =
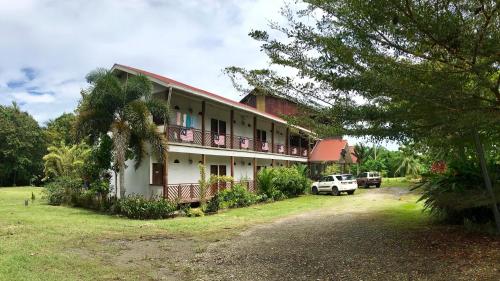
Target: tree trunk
pixel 487 180
pixel 122 179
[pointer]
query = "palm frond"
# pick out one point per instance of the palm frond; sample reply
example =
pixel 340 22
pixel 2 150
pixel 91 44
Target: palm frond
pixel 137 87
pixel 159 109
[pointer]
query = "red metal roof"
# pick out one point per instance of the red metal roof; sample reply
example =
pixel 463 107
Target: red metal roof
pixel 199 91
pixel 327 150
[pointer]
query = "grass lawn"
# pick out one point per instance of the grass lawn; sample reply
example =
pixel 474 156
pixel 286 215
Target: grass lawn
pixel 397 182
pixel 42 242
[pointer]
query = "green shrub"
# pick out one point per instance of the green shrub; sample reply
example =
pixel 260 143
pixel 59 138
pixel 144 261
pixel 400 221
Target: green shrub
pixel 213 205
pixel 196 212
pixel 282 182
pixel 290 181
pixel 236 197
pixel 137 207
pixel 459 194
pixel 265 181
pixel 63 190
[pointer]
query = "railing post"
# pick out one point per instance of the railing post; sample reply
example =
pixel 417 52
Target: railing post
pixel 272 137
pixel 231 125
pixel 203 105
pixel 254 133
pixel 287 141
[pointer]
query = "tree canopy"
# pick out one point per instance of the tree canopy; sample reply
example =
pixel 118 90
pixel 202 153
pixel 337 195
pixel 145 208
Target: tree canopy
pixel 61 129
pixel 21 147
pixel 423 69
pixel 124 108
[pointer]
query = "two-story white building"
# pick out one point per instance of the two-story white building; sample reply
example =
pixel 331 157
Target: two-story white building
pixel 228 137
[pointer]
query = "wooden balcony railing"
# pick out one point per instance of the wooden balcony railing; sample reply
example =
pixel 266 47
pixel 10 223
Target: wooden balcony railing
pixel 190 192
pixel 179 134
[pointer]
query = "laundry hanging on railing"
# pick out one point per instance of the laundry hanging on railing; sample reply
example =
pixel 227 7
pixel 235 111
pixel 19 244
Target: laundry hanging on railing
pixel 178 118
pixel 265 146
pixel 187 135
pixel 244 143
pixel 219 139
pixel 281 148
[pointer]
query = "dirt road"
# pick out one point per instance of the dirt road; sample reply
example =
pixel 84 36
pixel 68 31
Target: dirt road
pixel 362 244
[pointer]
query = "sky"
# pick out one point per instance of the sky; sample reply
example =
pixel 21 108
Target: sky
pixel 48 46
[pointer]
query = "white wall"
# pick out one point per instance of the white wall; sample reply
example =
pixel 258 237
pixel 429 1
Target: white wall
pixel 243 171
pixel 241 127
pixel 186 105
pixel 213 111
pixel 137 180
pixel 184 171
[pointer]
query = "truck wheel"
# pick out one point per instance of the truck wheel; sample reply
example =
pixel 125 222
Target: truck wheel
pixel 367 185
pixel 350 192
pixel 335 191
pixel 314 190
pixel 377 185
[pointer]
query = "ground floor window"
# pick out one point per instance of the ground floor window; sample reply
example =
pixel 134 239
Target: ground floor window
pixel 218 170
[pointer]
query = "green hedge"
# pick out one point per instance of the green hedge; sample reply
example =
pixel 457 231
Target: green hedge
pixel 280 183
pixel 137 207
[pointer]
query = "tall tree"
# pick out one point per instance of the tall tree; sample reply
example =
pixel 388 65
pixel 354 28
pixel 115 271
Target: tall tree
pixel 428 71
pixel 61 129
pixel 124 108
pixel 22 146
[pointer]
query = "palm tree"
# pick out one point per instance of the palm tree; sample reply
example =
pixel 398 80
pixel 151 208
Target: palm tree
pixel 124 108
pixel 361 152
pixel 410 164
pixel 64 160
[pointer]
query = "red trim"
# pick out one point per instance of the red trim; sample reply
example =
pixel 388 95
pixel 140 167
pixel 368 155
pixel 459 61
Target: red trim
pixel 200 91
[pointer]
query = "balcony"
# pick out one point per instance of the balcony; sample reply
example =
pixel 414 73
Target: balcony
pixel 178 134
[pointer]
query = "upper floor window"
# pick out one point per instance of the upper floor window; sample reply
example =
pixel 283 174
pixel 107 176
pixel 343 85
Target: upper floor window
pixel 261 135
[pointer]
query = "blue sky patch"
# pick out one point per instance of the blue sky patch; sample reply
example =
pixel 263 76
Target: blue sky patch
pixel 29 75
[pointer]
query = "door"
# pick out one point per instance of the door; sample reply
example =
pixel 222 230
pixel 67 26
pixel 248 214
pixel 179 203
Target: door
pixel 261 138
pixel 157 174
pixel 217 170
pixel 218 129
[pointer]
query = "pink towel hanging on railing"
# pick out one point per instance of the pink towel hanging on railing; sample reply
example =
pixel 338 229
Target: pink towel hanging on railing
pixel 178 118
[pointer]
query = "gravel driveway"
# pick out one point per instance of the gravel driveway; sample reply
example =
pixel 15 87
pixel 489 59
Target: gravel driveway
pixel 357 244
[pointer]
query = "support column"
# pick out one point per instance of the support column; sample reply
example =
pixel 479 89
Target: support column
pixel 287 141
pixel 232 169
pixel 255 133
pixel 255 173
pixel 273 163
pixel 165 152
pixel 203 107
pixel 272 138
pixel 300 145
pixel 232 129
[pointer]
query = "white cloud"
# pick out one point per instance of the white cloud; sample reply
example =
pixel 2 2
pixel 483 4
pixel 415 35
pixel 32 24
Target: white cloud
pixel 25 97
pixel 190 41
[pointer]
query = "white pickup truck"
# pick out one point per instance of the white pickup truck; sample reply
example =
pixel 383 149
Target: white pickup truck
pixel 335 184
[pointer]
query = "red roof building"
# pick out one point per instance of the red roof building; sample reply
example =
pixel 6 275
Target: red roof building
pixel 329 150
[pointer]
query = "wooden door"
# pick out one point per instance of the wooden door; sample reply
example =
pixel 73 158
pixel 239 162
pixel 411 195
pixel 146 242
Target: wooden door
pixel 157 174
